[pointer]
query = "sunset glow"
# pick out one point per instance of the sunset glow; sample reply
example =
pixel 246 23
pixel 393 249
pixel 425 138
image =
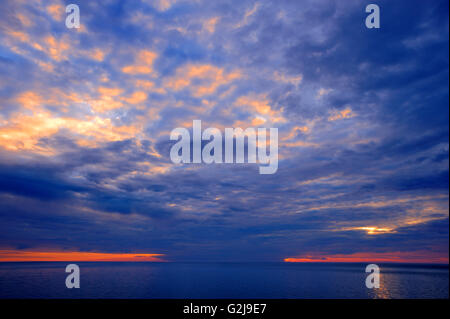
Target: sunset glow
pixel 22 256
pixel 390 257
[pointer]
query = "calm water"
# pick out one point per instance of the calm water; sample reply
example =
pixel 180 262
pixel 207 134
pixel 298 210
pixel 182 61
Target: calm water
pixel 221 280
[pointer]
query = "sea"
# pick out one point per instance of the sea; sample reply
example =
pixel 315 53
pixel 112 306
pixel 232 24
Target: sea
pixel 171 280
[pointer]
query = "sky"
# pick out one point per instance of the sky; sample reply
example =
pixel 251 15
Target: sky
pixel 362 116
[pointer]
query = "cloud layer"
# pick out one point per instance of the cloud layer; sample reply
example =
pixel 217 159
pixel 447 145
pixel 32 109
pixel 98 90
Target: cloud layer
pixel 86 115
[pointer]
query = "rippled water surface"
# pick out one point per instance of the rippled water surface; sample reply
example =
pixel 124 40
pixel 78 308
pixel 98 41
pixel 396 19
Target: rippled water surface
pixel 221 280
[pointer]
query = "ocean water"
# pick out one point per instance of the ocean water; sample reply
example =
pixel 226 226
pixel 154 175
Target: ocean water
pixel 221 280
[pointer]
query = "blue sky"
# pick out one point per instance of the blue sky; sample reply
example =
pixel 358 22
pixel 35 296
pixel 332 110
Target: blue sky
pixel 362 114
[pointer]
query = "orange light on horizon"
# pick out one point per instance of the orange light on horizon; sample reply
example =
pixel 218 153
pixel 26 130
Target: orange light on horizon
pixel 72 256
pixel 390 257
pixel 374 230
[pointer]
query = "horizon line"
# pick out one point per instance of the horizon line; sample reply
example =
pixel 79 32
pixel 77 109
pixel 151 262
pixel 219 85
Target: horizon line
pixel 11 255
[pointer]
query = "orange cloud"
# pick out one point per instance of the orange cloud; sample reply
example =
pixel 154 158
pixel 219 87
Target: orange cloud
pixel 97 54
pixel 107 101
pixel 29 99
pixel 297 144
pixel 372 230
pixel 55 48
pixel 163 5
pixel 210 24
pixel 34 101
pixel 56 11
pixel 143 63
pixel 294 80
pixel 18 35
pixel 136 98
pixel 24 20
pixel 149 86
pixel 339 115
pixel 322 91
pixel 110 91
pixel 247 15
pixel 208 78
pixel 22 131
pixel 293 133
pixel 260 105
pixel 74 256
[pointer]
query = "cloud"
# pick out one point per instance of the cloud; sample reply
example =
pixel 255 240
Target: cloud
pixel 85 120
pixel 347 113
pixel 201 79
pixel 143 63
pixel 56 11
